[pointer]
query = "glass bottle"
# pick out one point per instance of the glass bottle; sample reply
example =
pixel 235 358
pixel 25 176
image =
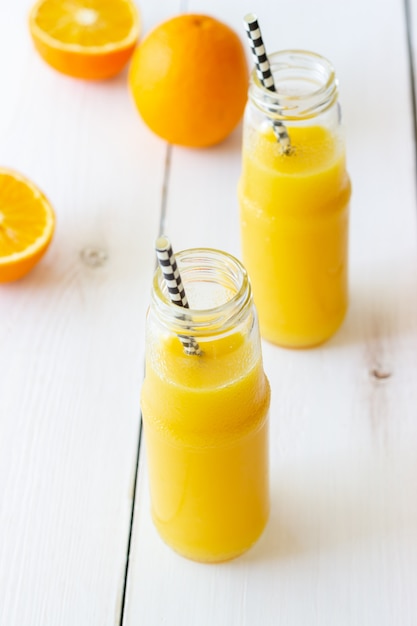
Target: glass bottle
pixel 205 415
pixel 294 202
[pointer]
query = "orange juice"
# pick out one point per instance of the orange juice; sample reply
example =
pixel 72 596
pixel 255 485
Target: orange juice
pixel 294 214
pixel 206 432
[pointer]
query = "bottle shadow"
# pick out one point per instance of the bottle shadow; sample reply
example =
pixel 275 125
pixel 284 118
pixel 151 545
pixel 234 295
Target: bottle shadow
pixel 339 507
pixel 383 305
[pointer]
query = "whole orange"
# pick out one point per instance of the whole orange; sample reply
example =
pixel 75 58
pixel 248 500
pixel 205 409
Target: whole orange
pixel 189 80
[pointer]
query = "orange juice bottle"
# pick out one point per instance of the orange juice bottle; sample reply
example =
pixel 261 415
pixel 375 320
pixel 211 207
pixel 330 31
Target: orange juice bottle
pixel 294 205
pixel 206 416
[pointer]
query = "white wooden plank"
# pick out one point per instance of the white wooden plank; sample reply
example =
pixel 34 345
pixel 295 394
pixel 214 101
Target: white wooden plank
pixel 341 544
pixel 202 196
pixel 71 337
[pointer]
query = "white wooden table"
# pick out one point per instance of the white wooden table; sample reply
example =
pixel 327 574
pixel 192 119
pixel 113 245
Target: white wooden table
pixel 77 547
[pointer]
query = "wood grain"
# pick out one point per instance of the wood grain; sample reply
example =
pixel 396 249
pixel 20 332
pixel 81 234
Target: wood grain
pixel 341 544
pixel 71 337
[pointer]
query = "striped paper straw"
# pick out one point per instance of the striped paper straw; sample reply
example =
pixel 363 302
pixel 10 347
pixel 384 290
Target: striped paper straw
pixel 263 70
pixel 175 287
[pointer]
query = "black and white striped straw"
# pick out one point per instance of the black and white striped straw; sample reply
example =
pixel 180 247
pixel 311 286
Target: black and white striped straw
pixel 263 70
pixel 176 291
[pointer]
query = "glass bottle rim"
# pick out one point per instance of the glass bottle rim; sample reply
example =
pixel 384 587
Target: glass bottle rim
pixel 313 71
pixel 207 265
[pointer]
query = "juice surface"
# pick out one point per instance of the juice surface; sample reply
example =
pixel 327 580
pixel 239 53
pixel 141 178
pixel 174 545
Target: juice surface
pixel 294 228
pixel 206 433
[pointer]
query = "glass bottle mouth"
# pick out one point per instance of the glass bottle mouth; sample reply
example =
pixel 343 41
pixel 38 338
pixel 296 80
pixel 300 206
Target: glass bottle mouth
pixel 305 84
pixel 218 290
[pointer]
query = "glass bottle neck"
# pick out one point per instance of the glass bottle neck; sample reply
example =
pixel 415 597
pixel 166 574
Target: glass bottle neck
pixel 305 83
pixel 218 291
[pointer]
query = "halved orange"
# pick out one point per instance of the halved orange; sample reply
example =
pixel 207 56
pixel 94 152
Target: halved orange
pixel 91 39
pixel 27 223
